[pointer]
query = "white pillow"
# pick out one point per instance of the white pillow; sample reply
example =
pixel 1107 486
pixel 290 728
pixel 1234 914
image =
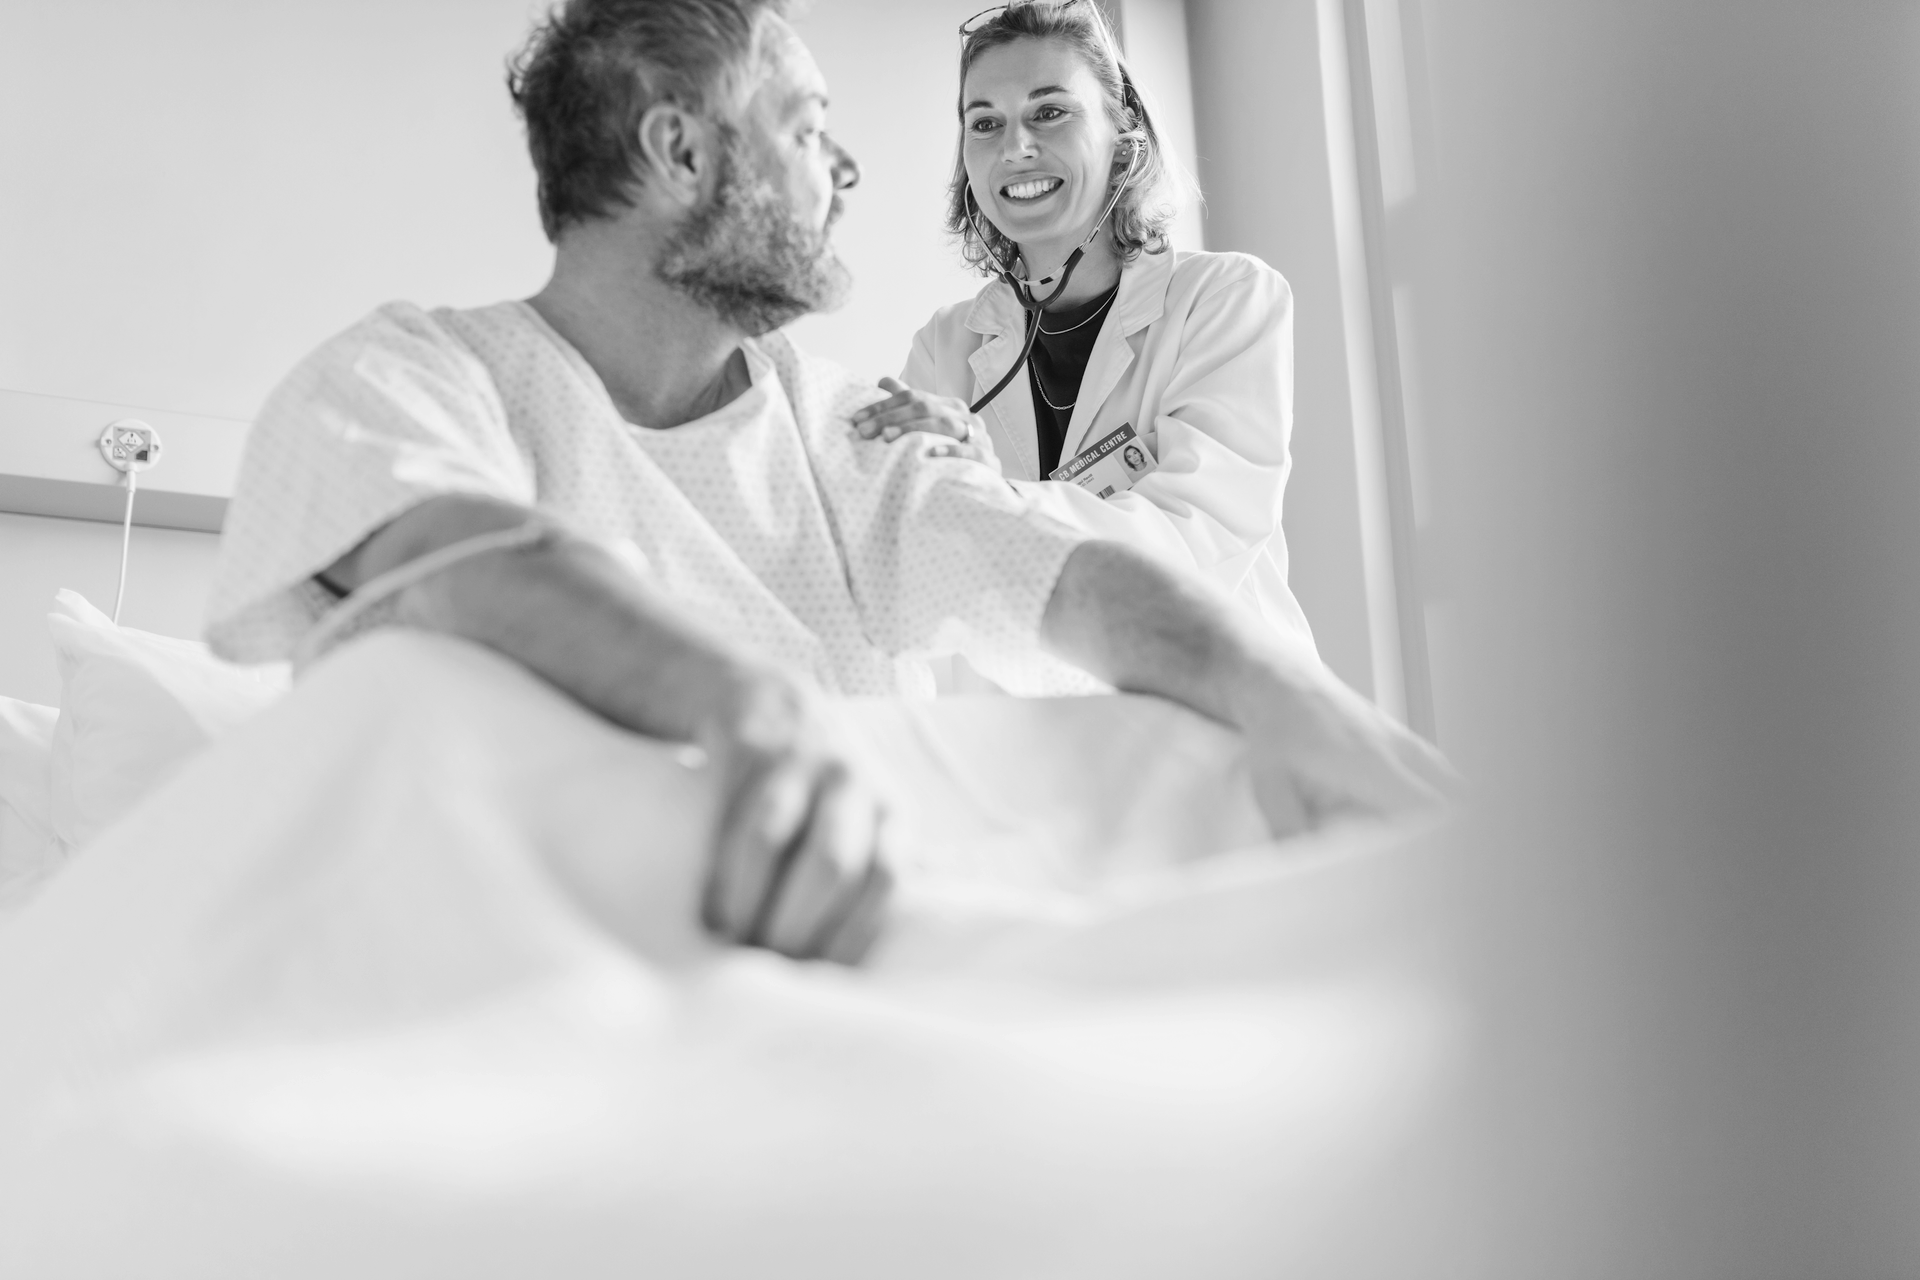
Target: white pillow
pixel 29 851
pixel 26 755
pixel 133 707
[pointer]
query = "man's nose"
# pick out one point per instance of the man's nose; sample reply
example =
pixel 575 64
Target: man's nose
pixel 846 170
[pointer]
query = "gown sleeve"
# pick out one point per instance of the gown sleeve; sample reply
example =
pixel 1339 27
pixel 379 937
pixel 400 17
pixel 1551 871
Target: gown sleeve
pixel 382 417
pixel 942 554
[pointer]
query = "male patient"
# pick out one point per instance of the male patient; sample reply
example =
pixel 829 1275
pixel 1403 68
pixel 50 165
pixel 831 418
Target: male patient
pixel 633 485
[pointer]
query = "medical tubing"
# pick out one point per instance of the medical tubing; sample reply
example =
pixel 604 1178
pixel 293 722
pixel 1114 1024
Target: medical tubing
pixel 361 607
pixel 126 544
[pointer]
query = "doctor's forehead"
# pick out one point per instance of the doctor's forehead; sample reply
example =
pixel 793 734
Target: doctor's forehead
pixel 1034 67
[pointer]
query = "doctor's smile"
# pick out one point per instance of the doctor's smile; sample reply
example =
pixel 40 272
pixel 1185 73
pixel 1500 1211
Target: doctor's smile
pixel 1030 189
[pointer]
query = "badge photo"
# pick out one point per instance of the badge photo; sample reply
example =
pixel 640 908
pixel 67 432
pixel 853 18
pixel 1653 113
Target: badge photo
pixel 1112 464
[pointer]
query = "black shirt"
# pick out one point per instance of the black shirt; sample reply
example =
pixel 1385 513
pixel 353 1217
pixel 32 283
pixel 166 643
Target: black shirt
pixel 1054 370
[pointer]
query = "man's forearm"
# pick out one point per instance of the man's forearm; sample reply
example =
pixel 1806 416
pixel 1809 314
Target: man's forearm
pixel 567 610
pixel 572 613
pixel 1141 627
pixel 1316 747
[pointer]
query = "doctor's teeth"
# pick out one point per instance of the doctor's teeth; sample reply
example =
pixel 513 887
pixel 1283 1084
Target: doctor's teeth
pixel 1030 189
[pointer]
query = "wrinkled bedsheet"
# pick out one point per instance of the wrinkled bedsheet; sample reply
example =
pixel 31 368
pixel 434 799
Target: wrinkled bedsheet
pixel 402 978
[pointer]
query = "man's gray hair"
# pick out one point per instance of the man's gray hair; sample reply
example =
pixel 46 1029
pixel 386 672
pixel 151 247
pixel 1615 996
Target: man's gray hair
pixel 589 72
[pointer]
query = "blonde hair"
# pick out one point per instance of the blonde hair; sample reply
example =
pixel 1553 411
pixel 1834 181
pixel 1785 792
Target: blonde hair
pixel 1144 212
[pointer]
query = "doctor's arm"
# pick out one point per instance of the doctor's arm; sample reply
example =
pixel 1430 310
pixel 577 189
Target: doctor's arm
pixel 1318 749
pixel 794 864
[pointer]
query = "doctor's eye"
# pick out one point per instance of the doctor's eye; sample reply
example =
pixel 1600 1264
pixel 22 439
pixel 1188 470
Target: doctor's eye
pixel 1049 112
pixel 983 125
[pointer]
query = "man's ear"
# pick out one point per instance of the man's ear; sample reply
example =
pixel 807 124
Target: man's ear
pixel 678 148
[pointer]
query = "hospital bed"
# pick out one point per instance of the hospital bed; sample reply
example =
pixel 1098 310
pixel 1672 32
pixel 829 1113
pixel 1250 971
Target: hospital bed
pixel 396 972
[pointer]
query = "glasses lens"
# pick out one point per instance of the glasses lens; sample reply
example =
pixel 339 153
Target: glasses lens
pixel 966 28
pixel 978 20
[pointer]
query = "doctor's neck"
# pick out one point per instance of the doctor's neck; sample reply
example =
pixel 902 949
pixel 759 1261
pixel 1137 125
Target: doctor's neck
pixel 1099 267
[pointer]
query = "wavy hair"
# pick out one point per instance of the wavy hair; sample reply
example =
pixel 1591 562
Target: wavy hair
pixel 1145 211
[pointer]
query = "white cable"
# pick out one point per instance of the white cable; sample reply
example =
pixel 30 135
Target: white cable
pixel 126 543
pixel 128 445
pixel 374 600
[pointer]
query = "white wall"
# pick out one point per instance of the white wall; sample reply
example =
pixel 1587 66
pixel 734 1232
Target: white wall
pixel 209 188
pixel 1263 157
pixel 1161 63
pixel 166 588
pixel 891 69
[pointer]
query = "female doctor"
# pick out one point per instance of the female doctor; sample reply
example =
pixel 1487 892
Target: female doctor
pixel 1155 399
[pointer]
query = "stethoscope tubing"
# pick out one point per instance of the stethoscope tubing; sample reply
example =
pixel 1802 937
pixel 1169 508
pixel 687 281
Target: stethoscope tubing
pixel 1023 291
pixel 1033 309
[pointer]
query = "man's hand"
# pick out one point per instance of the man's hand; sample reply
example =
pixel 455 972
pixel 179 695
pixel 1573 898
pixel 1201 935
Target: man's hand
pixel 795 865
pixel 909 410
pixel 1318 749
pixel 796 861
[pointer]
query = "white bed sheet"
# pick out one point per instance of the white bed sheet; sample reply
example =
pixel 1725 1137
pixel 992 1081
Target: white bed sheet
pixel 401 978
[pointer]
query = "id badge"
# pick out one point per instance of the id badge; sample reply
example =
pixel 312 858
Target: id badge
pixel 1112 464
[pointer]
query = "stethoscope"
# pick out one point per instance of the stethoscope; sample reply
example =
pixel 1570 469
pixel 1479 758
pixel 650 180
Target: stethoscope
pixel 1023 289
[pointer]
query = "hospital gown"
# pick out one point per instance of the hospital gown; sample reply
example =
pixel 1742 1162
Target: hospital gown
pixel 835 557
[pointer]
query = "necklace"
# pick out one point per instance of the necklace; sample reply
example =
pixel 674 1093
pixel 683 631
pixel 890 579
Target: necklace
pixel 1097 312
pixel 1034 369
pixel 1041 387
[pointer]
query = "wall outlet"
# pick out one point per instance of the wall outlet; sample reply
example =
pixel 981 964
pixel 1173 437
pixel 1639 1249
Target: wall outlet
pixel 130 445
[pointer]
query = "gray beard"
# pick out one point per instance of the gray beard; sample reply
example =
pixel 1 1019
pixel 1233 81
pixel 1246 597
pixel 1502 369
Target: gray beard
pixel 747 259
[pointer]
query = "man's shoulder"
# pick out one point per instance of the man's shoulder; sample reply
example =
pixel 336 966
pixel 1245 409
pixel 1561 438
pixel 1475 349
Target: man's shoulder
pixel 395 338
pixel 818 387
pixel 398 327
pixel 405 326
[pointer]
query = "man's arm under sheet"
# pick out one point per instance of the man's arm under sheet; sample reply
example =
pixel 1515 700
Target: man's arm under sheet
pixel 797 863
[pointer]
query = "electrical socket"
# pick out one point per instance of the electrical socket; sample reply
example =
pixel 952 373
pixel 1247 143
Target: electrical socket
pixel 130 445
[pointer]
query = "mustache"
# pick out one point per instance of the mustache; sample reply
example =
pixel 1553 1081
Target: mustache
pixel 752 258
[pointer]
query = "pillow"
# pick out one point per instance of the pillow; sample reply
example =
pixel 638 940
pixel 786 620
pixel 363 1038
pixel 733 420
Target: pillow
pixel 28 856
pixel 133 707
pixel 29 851
pixel 26 754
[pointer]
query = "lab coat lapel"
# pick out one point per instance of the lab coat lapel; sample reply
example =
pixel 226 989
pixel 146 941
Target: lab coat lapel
pixel 997 316
pixel 1141 300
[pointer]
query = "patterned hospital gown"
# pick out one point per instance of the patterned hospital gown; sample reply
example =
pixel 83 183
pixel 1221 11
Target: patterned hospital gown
pixel 768 519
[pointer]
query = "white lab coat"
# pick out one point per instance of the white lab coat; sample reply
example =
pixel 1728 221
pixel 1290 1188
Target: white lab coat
pixel 1197 354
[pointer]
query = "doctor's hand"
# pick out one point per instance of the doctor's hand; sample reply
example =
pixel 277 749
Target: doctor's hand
pixel 909 410
pixel 797 864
